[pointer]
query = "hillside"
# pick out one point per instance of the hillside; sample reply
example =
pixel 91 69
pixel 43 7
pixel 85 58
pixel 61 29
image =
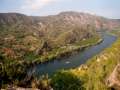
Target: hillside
pixel 29 40
pixel 80 19
pixel 99 73
pixel 30 33
pixel 27 34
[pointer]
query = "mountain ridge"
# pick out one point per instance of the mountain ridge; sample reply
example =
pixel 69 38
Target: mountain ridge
pixel 27 40
pixel 78 17
pixel 57 30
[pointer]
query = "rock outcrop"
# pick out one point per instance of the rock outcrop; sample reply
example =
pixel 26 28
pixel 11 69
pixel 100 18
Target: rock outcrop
pixel 113 80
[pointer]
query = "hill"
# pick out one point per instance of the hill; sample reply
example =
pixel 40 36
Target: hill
pixel 29 40
pixel 100 72
pixel 31 32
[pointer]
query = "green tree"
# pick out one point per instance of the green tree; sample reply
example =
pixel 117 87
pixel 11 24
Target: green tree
pixel 66 81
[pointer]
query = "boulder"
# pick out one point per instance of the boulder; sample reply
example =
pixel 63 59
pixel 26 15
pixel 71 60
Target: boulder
pixel 113 81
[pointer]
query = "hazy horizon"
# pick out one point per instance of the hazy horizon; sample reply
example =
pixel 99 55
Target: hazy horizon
pixel 105 8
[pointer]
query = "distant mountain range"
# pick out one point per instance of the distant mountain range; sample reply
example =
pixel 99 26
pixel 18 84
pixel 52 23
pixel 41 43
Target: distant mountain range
pixel 69 18
pixel 29 40
pixel 56 30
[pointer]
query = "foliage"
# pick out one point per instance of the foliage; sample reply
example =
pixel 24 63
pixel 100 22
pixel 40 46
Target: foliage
pixel 66 81
pixel 93 74
pixel 57 36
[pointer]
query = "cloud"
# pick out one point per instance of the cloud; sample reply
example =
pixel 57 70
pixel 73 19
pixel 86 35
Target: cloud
pixel 35 5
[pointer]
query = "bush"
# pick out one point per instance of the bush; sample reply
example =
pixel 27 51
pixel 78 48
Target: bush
pixel 66 81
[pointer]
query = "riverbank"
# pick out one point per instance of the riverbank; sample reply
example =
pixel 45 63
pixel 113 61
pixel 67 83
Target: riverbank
pixel 93 74
pixel 66 51
pixel 24 80
pixel 15 72
pixel 75 60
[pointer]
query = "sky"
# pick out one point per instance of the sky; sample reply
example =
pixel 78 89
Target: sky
pixel 106 8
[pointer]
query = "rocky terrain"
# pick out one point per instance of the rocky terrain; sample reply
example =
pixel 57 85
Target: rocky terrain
pixel 31 33
pixel 29 40
pixel 114 81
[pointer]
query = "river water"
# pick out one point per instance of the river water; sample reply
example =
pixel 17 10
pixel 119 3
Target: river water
pixel 74 60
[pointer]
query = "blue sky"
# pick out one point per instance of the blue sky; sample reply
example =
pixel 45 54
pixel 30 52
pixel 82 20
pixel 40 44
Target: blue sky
pixel 107 8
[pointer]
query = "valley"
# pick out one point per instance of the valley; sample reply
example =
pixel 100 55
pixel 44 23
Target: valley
pixel 46 44
pixel 101 72
pixel 76 59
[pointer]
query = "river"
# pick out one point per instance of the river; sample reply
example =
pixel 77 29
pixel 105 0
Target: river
pixel 74 60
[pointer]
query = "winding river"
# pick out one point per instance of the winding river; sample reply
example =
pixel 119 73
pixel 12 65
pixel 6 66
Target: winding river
pixel 75 60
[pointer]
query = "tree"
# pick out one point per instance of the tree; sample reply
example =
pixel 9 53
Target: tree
pixel 66 81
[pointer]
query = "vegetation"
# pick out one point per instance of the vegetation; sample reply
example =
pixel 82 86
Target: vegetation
pixel 115 32
pixel 26 41
pixel 93 75
pixel 65 80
